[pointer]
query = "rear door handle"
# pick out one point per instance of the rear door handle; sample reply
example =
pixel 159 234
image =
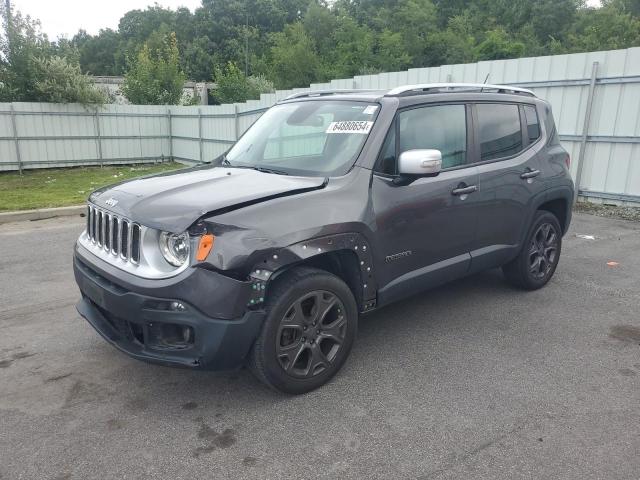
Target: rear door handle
pixel 464 190
pixel 530 174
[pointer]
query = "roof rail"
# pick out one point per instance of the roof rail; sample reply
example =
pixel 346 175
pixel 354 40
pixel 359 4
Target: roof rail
pixel 322 93
pixel 455 87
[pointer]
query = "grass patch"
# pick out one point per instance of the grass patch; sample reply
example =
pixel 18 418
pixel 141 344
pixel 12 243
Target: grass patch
pixel 60 187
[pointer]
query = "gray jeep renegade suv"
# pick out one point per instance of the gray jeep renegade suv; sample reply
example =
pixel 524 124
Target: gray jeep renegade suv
pixel 332 204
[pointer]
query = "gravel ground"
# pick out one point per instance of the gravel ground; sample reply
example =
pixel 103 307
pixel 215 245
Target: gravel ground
pixel 611 211
pixel 471 380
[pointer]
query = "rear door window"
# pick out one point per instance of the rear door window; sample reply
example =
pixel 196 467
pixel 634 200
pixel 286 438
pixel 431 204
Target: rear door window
pixel 499 131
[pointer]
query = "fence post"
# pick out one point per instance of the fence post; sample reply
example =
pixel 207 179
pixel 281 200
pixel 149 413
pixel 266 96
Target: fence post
pixel 585 130
pixel 236 122
pixel 98 137
pixel 200 133
pixel 15 138
pixel 170 132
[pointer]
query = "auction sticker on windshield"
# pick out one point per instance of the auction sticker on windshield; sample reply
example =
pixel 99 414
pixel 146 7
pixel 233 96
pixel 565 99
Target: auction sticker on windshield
pixel 350 127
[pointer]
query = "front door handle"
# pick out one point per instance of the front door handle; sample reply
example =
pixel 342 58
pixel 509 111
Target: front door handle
pixel 464 190
pixel 530 174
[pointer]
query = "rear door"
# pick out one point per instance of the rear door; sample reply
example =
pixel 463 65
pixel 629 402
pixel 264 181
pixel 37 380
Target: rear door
pixel 509 168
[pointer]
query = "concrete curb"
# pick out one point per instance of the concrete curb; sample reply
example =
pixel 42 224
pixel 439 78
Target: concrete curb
pixel 41 214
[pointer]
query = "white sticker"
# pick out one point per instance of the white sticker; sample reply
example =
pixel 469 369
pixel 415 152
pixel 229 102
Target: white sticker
pixel 370 110
pixel 351 126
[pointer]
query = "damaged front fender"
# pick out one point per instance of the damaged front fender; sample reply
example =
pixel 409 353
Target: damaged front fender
pixel 281 259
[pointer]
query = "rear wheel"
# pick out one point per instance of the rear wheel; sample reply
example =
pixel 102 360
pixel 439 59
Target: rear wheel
pixel 538 259
pixel 308 332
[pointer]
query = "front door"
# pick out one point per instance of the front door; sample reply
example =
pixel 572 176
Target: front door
pixel 424 230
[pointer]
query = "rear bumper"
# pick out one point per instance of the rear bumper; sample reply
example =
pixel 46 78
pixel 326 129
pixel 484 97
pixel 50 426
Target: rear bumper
pixel 143 326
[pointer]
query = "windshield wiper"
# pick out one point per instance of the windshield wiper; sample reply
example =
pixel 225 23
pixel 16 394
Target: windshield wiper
pixel 269 170
pixel 227 163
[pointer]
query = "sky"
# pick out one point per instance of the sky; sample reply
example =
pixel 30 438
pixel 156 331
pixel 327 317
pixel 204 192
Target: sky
pixel 66 17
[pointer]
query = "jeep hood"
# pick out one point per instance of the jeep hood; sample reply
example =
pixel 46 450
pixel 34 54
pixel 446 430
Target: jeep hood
pixel 173 201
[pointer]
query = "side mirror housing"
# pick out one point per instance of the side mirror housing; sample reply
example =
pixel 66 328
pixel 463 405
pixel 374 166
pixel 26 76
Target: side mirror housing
pixel 425 162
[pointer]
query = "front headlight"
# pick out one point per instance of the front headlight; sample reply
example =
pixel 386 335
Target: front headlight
pixel 174 248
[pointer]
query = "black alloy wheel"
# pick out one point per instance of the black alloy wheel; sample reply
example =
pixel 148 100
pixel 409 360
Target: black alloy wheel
pixel 311 334
pixel 309 328
pixel 543 250
pixel 538 258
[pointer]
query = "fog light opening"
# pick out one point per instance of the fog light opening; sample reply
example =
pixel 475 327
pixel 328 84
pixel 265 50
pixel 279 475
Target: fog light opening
pixel 170 336
pixel 168 306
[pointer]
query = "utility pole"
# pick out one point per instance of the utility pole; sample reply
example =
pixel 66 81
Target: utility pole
pixel 9 29
pixel 246 39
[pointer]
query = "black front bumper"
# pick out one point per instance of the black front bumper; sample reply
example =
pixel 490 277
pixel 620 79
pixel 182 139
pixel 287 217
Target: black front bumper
pixel 127 313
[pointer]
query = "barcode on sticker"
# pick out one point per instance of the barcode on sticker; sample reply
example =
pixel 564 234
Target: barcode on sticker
pixel 350 127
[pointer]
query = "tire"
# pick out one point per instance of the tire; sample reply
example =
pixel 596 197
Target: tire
pixel 293 354
pixel 537 261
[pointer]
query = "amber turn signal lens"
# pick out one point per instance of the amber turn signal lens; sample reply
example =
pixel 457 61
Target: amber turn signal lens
pixel 204 247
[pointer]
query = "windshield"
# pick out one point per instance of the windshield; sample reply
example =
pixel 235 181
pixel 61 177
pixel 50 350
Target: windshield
pixel 316 138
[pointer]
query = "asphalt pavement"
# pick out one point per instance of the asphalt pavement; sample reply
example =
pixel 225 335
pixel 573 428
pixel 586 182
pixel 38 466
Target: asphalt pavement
pixel 473 380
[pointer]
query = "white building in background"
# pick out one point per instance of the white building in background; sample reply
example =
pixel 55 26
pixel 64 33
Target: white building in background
pixel 191 89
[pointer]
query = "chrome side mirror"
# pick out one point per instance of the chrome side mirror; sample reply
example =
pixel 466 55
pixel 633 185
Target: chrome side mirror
pixel 420 162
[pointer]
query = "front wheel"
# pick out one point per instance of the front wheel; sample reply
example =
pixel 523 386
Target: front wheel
pixel 308 332
pixel 537 261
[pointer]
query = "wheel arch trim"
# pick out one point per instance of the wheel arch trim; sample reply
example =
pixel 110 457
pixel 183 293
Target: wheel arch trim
pixel 278 261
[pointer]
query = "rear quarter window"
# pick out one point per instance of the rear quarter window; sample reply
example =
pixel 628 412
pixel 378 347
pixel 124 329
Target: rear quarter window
pixel 533 124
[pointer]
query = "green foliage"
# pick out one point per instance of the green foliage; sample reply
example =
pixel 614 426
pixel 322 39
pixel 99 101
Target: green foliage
pixel 391 51
pixel 260 84
pixel 155 76
pixel 59 81
pixel 233 86
pixel 100 54
pixel 34 70
pixel 293 58
pixel 353 48
pixel 497 45
pixel 604 29
pixel 298 42
pixel 455 44
pixel 21 43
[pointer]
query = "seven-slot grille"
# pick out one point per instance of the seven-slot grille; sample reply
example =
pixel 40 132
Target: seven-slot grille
pixel 114 234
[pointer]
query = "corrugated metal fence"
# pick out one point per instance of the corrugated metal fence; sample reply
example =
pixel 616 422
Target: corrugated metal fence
pixel 601 87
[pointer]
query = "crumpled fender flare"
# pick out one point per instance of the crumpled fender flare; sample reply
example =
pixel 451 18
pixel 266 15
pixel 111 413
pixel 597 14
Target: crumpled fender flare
pixel 278 260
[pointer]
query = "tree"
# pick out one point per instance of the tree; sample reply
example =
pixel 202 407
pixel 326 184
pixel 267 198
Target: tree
pixel 155 76
pixel 59 81
pixel 101 54
pixel 453 45
pixel 293 59
pixel 391 54
pixel 498 45
pixel 550 18
pixel 20 45
pixel 353 49
pixel 297 42
pixel 30 72
pixel 232 86
pixel 320 23
pixel 606 28
pixel 197 59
